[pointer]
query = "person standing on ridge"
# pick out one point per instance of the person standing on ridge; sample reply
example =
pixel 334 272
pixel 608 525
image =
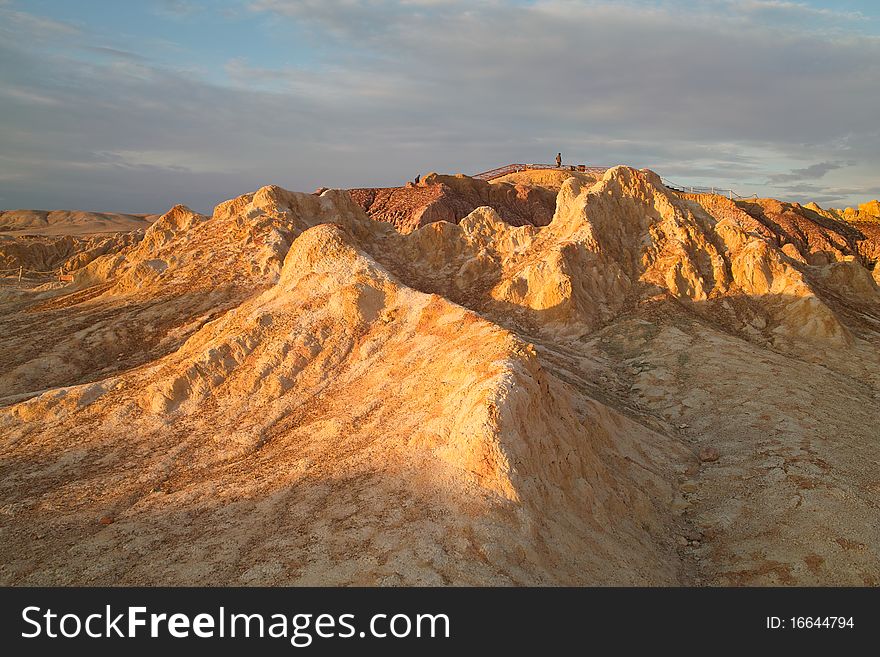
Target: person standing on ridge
pixel 558 160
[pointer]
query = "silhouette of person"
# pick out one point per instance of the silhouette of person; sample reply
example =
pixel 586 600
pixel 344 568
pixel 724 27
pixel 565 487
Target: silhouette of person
pixel 558 160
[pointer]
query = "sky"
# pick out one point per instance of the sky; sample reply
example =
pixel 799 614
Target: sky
pixel 136 106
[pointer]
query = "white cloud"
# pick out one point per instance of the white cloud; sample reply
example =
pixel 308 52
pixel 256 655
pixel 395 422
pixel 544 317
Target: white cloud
pixel 178 8
pixel 797 8
pixel 18 21
pixel 28 97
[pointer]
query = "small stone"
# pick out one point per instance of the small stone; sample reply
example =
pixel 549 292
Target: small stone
pixel 694 535
pixel 709 454
pixel 682 541
pixel 689 487
pixel 683 426
pixel 106 520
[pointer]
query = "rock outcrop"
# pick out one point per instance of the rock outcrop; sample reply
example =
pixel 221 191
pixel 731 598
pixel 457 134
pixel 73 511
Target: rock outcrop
pixel 451 198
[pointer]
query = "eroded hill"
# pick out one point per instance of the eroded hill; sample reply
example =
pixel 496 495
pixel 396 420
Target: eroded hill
pixel 652 388
pixel 70 222
pixel 41 245
pixel 452 198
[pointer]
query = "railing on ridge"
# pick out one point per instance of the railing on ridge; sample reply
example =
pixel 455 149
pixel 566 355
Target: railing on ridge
pixel 693 189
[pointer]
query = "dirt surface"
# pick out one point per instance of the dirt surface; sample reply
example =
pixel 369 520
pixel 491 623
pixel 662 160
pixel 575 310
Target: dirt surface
pixel 551 179
pixel 652 388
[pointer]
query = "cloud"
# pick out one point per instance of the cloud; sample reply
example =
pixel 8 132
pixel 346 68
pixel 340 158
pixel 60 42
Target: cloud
pixel 812 172
pixel 115 53
pixel 706 93
pixel 787 8
pixel 18 21
pixel 177 8
pixel 28 97
pixel 601 67
pixel 179 161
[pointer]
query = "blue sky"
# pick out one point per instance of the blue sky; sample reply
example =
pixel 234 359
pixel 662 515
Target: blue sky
pixel 135 106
